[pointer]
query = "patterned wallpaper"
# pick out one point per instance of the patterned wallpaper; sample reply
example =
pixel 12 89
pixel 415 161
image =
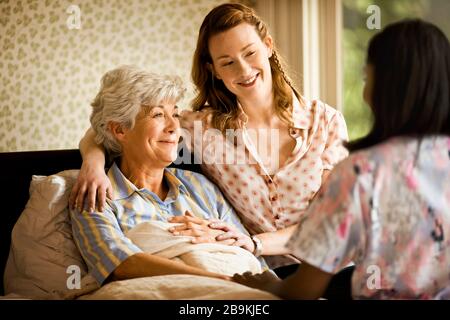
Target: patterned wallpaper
pixel 54 52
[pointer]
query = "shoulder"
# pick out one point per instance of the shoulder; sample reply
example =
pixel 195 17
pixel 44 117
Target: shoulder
pixel 317 114
pixel 382 156
pixel 327 112
pixel 388 150
pixel 320 117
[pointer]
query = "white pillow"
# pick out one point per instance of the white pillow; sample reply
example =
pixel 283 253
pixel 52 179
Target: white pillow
pixel 42 247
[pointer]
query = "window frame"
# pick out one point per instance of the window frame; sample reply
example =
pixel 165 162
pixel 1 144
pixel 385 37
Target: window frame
pixel 308 34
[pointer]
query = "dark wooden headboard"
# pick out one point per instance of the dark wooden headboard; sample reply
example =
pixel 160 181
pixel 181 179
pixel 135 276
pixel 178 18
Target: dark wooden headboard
pixel 16 171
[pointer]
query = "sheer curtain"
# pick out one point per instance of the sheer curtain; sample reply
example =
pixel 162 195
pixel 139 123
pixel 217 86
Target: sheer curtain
pixel 308 35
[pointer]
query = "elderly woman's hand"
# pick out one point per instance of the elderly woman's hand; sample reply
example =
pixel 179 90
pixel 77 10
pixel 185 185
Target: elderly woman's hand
pixel 198 228
pixel 92 182
pixel 213 230
pixel 266 281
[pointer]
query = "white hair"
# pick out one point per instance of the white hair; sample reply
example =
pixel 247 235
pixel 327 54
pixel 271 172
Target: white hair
pixel 123 93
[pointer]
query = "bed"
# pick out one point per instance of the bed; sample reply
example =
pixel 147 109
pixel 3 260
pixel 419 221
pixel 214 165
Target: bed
pixel 43 261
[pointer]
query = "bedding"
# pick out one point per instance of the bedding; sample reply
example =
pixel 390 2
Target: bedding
pixel 42 247
pixel 42 250
pixel 153 237
pixel 168 287
pixel 176 286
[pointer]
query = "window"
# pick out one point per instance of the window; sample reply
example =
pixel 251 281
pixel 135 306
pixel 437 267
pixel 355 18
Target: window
pixel 325 43
pixel 307 34
pixel 356 35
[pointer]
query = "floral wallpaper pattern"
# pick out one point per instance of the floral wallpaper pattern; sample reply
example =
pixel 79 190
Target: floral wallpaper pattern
pixel 54 52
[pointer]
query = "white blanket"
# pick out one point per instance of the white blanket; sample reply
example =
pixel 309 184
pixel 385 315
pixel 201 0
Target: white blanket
pixel 153 237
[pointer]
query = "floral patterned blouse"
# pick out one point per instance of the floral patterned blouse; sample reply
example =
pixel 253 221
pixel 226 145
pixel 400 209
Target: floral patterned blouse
pixel 387 209
pixel 269 201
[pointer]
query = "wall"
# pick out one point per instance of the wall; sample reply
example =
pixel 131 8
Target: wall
pixel 49 73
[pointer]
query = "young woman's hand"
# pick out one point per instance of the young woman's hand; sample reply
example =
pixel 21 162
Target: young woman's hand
pixel 93 184
pixel 241 240
pixel 266 281
pixel 198 228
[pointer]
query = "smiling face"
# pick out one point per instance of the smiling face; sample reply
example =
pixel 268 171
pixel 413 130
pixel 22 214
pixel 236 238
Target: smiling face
pixel 241 60
pixel 154 137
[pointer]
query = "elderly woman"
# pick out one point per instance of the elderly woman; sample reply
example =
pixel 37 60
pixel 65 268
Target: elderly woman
pixel 135 118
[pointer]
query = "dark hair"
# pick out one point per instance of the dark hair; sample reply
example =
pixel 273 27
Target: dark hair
pixel 410 94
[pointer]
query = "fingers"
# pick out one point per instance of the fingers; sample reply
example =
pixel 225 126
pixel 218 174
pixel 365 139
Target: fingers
pixel 245 242
pixel 83 193
pixel 73 196
pixel 186 226
pixel 228 242
pixel 91 195
pixel 101 195
pixel 178 219
pixel 189 233
pixel 109 191
pixel 220 226
pixel 179 228
pixel 212 221
pixel 209 239
pixel 186 219
pixel 188 213
pixel 79 202
pixel 195 219
pixel 242 278
pixel 243 275
pixel 240 243
pixel 240 240
pixel 228 235
pixel 237 277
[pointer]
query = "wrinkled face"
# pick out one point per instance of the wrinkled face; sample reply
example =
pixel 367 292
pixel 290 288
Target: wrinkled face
pixel 241 60
pixel 369 75
pixel 154 138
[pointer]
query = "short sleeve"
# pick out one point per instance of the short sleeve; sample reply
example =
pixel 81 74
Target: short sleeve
pixel 332 233
pixel 101 241
pixel 335 151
